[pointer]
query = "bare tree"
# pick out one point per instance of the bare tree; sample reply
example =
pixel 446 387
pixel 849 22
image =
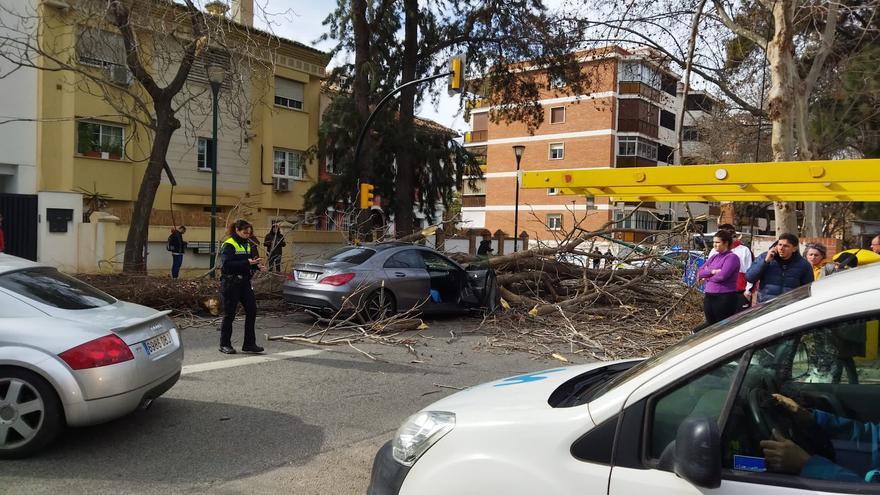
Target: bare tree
pixel 148 60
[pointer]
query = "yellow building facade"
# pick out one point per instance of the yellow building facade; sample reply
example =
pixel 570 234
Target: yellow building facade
pixel 92 141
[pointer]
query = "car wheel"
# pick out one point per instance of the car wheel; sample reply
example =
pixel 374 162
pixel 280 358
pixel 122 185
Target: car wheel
pixel 379 305
pixel 30 413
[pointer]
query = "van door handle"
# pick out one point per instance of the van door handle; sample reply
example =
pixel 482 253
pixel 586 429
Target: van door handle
pixel 399 274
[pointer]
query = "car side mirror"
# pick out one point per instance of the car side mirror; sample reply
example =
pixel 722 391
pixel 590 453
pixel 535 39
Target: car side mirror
pixel 698 452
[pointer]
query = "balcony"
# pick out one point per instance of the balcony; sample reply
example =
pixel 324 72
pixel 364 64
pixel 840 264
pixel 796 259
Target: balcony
pixel 637 125
pixel 476 137
pixel 641 89
pixel 479 103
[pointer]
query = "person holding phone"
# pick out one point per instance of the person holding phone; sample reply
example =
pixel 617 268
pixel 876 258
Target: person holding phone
pixel 239 260
pixel 780 269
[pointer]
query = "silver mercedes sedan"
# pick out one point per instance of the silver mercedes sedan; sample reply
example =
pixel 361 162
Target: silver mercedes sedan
pixel 377 280
pixel 71 355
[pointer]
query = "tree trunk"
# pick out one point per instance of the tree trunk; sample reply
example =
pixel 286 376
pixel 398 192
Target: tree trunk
pixel 404 187
pixel 362 104
pixel 134 260
pixel 780 55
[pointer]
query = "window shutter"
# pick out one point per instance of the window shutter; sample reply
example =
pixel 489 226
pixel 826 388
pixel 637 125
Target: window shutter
pixel 286 88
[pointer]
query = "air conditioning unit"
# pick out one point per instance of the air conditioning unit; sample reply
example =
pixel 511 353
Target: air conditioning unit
pixel 281 184
pixel 118 74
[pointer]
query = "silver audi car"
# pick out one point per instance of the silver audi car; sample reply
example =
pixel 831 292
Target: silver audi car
pixel 382 279
pixel 71 355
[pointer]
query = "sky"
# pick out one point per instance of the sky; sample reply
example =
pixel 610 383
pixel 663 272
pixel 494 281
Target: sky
pixel 301 20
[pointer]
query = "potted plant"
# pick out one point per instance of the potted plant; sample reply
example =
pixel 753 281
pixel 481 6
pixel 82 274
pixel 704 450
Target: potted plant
pixel 114 152
pixel 86 142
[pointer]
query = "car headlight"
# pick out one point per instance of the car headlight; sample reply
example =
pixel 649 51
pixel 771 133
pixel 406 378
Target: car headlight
pixel 419 433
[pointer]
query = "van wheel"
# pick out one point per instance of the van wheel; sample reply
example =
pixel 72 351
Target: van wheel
pixel 30 413
pixel 379 305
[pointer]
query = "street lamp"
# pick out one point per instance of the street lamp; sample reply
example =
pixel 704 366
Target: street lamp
pixel 216 74
pixel 518 152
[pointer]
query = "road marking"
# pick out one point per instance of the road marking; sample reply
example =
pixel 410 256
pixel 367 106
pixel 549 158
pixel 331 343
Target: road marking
pixel 244 361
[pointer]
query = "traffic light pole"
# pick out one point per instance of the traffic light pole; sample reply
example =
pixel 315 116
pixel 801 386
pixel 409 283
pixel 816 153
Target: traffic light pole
pixel 385 100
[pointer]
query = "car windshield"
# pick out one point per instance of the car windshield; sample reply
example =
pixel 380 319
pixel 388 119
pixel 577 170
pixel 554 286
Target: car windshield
pixel 51 287
pixel 698 338
pixel 353 255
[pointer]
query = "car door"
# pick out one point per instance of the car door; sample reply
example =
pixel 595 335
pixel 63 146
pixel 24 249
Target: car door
pixel 407 277
pixel 840 446
pixel 447 281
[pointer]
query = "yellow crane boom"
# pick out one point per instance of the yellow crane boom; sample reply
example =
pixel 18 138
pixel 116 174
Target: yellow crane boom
pixel 821 180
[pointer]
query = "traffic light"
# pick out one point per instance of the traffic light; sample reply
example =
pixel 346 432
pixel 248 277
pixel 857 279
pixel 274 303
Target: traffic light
pixel 456 79
pixel 366 195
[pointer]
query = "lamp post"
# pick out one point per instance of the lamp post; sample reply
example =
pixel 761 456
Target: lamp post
pixel 216 74
pixel 518 152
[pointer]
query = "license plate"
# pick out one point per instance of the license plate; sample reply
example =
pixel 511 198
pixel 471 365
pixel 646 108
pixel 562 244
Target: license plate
pixel 306 275
pixel 158 343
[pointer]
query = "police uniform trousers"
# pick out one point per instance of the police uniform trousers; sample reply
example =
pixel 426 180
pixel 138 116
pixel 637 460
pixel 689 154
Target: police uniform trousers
pixel 235 289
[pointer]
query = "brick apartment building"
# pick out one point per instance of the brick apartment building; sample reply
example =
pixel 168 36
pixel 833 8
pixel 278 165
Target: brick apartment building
pixel 627 119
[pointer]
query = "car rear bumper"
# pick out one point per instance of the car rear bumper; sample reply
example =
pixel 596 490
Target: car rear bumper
pixel 90 412
pixel 320 301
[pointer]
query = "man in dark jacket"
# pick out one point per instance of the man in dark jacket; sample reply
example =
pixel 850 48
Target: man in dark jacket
pixel 780 269
pixel 177 246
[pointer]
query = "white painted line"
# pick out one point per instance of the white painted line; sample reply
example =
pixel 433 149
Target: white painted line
pixel 244 361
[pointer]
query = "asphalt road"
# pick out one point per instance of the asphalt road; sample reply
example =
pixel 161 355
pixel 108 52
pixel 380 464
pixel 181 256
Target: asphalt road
pixel 301 419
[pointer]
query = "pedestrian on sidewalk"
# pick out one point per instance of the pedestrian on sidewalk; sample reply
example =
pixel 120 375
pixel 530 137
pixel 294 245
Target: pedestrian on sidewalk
pixel 177 246
pixel 746 258
pixel 274 242
pixel 780 269
pixel 239 260
pixel 720 273
pixel 597 257
pixel 815 254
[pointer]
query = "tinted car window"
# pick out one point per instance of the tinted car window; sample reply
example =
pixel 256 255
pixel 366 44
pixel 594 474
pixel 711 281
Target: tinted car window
pixel 405 259
pixel 436 262
pixel 353 255
pixel 51 287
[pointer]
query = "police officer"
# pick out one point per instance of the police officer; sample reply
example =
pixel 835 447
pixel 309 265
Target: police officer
pixel 239 259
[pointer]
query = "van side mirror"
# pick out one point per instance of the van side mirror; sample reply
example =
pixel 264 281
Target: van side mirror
pixel 698 452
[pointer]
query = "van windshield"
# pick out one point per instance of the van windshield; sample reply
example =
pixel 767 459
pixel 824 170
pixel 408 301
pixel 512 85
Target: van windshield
pixel 698 338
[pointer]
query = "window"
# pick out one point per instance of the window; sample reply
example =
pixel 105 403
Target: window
pixel 100 140
pixel 830 376
pixel 636 146
pixel 212 56
pixel 641 220
pixel 552 191
pixel 701 396
pixel 557 81
pixel 288 93
pixel 330 165
pixel 289 164
pixel 554 221
pixel 557 115
pixel 435 262
pixel 205 154
pixel 100 48
pixel 353 255
pixel 667 120
pixel 690 133
pixel 406 259
pixel 53 288
pixel 557 151
pixel 638 72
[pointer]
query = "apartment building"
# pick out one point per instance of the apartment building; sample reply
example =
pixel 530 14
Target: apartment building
pixel 627 119
pixel 87 153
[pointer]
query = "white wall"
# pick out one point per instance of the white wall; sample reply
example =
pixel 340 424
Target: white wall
pixel 18 140
pixel 59 249
pixel 473 218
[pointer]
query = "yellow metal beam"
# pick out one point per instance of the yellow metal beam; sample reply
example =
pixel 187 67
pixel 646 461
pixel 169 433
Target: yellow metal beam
pixel 826 180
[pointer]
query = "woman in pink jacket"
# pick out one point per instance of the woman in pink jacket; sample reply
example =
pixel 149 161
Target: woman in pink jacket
pixel 720 273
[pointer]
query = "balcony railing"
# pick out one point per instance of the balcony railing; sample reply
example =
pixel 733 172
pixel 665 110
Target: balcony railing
pixel 636 125
pixel 476 137
pixel 638 88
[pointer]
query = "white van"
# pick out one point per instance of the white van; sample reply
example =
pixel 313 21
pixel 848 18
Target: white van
pixel 708 415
